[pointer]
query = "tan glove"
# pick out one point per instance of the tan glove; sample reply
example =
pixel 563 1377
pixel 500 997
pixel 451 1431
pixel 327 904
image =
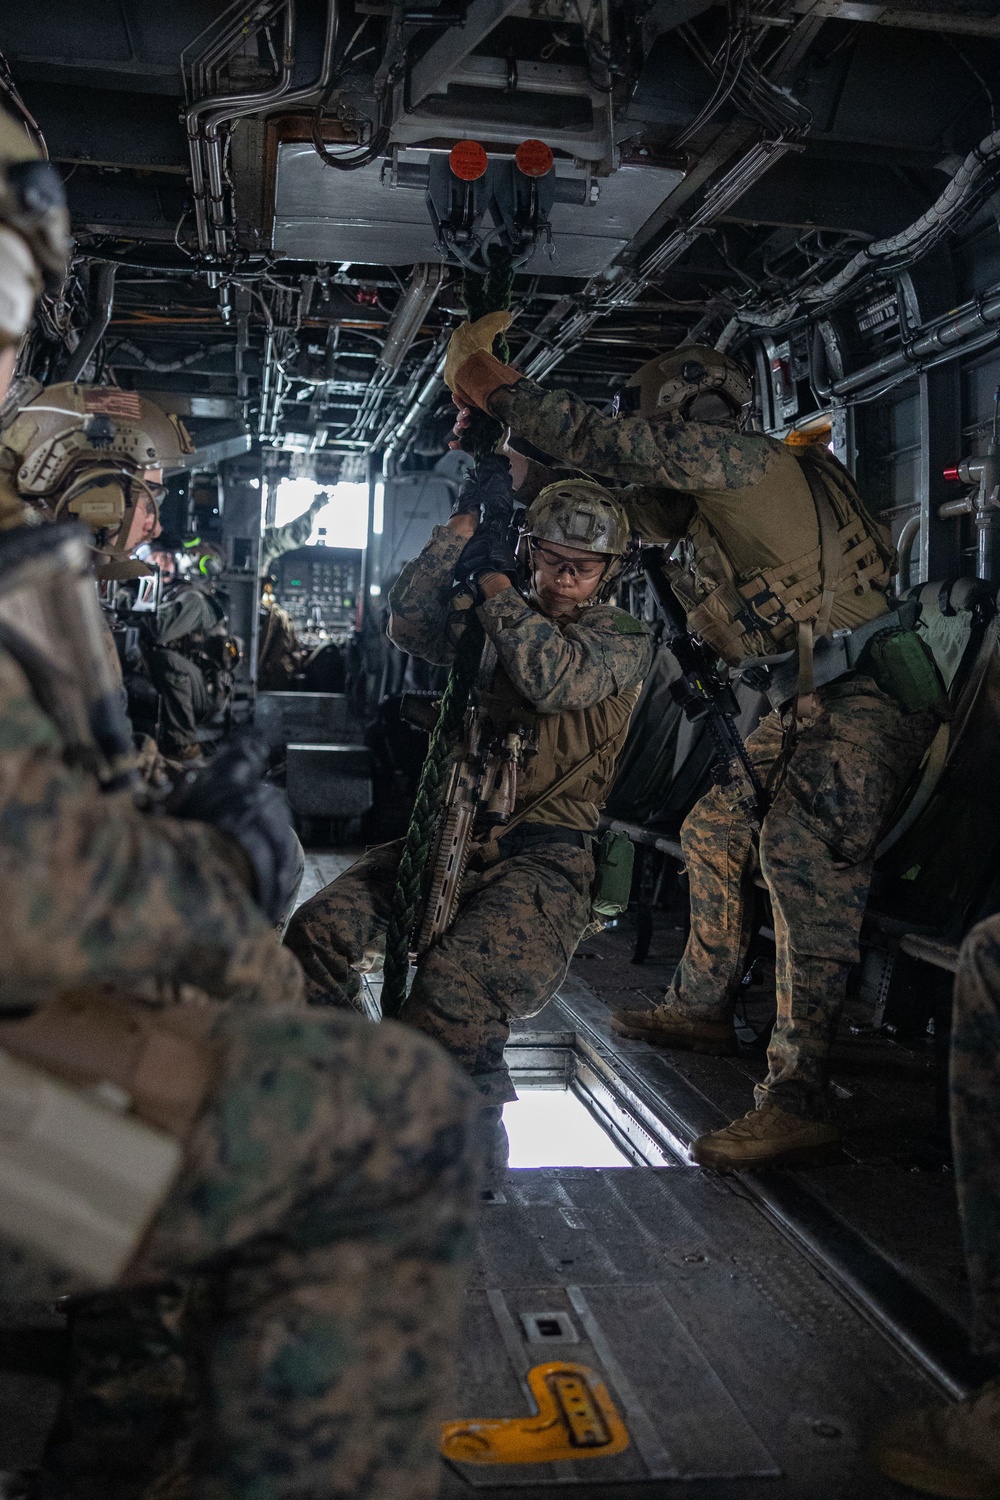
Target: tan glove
pixel 473 338
pixel 480 376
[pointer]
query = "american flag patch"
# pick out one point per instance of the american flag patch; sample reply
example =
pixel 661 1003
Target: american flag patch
pixel 113 403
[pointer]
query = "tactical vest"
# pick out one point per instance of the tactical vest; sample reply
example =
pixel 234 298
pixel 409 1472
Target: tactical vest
pixel 763 612
pixel 561 741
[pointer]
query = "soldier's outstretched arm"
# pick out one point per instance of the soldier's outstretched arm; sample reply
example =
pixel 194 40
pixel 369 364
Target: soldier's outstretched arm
pixel 281 539
pixel 420 601
pixel 602 655
pixel 691 456
pixel 92 890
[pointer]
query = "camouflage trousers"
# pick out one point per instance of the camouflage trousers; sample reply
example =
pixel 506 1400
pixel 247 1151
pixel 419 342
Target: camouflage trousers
pixel 287 1331
pixel 975 1124
pixel 833 790
pixel 519 921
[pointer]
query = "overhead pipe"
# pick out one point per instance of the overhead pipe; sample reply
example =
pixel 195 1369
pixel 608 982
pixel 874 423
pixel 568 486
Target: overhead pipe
pixel 192 116
pixel 957 332
pixel 413 306
pixel 962 187
pixel 104 301
pixel 627 290
pixel 205 119
pixel 420 405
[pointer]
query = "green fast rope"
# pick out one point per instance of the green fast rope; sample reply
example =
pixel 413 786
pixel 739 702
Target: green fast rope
pixel 481 294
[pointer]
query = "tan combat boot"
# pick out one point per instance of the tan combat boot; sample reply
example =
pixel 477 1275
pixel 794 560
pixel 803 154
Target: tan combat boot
pixel 667 1026
pixel 946 1450
pixel 766 1137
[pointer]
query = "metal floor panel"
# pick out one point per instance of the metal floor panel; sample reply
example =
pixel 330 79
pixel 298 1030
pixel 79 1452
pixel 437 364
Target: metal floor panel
pixel 670 1105
pixel 730 1356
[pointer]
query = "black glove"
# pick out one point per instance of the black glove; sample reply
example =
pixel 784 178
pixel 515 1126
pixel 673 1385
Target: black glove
pixel 231 796
pixel 488 491
pixel 484 554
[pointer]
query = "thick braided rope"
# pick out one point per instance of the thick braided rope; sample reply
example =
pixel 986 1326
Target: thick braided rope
pixel 481 294
pixel 412 872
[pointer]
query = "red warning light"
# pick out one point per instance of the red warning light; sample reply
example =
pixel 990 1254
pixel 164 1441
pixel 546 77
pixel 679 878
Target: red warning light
pixel 468 160
pixel 534 158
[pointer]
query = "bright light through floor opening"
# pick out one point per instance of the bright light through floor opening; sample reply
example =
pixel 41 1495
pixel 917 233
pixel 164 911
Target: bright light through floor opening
pixel 552 1128
pixel 342 523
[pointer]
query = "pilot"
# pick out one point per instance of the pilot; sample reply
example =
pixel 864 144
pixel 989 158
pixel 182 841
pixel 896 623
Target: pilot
pixel 955 1449
pixel 783 554
pixel 570 668
pixel 323 1187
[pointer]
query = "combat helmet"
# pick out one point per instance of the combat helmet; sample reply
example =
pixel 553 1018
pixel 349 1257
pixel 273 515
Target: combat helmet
pixel 34 255
pixel 666 386
pixel 68 426
pixel 581 514
pixel 34 230
pixel 83 450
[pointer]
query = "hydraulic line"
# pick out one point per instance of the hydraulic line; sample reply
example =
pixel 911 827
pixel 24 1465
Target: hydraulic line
pixel 911 242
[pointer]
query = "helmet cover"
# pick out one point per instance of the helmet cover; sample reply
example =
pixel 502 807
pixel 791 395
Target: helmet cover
pixel 69 426
pixel 578 513
pixel 666 386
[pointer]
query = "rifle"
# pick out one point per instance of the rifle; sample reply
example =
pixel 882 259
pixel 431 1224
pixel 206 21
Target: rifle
pixel 482 785
pixel 703 694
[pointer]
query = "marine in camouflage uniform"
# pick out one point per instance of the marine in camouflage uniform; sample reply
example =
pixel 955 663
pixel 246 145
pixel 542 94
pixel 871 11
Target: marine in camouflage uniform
pixel 782 550
pixel 326 1189
pixel 955 1450
pixel 278 540
pixel 572 681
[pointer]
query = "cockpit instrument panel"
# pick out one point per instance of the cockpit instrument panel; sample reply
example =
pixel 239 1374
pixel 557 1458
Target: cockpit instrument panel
pixel 320 588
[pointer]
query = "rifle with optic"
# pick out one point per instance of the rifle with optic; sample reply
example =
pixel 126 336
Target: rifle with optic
pixel 482 783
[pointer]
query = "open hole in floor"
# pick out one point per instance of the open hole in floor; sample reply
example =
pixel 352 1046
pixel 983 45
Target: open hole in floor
pixel 553 1128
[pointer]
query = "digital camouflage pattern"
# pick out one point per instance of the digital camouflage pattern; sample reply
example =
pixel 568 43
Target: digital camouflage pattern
pixel 742 492
pixel 278 540
pixel 834 785
pixel 326 1195
pixel 518 924
pixel 326 1205
pixel 572 684
pixel 815 851
pixel 92 890
pixel 975 1124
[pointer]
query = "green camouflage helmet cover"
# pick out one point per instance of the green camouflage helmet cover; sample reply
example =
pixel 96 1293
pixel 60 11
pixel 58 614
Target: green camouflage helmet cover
pixel 578 513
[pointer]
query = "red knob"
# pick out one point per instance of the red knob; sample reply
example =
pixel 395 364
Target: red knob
pixel 952 475
pixel 534 158
pixel 468 160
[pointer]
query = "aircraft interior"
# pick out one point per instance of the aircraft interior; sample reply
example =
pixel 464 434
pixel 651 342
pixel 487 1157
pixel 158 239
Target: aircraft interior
pixel 281 211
